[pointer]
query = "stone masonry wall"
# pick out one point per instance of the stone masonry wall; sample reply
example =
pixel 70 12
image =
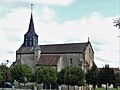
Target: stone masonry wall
pixel 72 59
pixel 89 55
pixel 27 59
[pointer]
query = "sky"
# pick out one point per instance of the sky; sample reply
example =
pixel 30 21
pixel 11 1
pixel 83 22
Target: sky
pixel 62 21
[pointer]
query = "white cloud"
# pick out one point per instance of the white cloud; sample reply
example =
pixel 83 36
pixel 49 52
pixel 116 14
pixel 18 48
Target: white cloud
pixel 12 29
pixel 45 2
pixel 55 2
pixel 47 14
pixel 100 30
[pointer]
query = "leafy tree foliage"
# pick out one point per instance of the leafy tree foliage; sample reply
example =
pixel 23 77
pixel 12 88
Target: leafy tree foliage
pixel 46 74
pixel 92 76
pixel 117 79
pixel 61 76
pixel 106 76
pixel 21 73
pixel 1 77
pixel 71 75
pixel 3 74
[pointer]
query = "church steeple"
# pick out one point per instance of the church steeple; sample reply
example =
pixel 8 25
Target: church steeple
pixel 31 38
pixel 31 25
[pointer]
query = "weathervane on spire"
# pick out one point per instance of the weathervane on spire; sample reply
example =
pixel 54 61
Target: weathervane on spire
pixel 31 7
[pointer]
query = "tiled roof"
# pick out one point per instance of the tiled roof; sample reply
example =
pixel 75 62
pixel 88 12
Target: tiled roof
pixel 48 59
pixel 25 49
pixel 56 48
pixel 64 48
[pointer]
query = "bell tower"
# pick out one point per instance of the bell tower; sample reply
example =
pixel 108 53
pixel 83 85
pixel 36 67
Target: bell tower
pixel 31 38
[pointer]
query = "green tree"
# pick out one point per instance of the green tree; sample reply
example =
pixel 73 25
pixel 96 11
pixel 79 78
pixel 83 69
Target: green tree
pixel 61 76
pixel 21 73
pixel 117 79
pixel 4 74
pixel 46 74
pixel 73 76
pixel 92 76
pixel 1 77
pixel 106 76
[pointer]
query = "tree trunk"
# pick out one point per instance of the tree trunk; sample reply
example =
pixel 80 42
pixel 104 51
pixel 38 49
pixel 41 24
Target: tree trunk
pixel 74 87
pixel 106 86
pixel 24 85
pixel 94 87
pixel 50 86
pixel 81 87
pixel 19 84
pixel 42 86
pixel 68 87
pixel 46 86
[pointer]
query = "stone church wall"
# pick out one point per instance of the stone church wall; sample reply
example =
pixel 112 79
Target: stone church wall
pixel 27 59
pixel 72 59
pixel 59 64
pixel 69 59
pixel 89 55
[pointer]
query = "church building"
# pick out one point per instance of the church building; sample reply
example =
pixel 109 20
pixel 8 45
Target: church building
pixel 56 55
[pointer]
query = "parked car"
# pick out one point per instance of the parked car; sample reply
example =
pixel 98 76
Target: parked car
pixel 8 85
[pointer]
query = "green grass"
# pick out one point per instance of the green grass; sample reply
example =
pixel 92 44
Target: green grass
pixel 107 89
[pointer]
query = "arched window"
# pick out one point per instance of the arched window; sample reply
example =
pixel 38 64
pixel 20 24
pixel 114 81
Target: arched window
pixel 30 42
pixel 70 61
pixel 26 43
pixel 34 43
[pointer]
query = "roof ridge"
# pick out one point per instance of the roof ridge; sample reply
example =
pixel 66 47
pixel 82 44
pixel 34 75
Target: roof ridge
pixel 63 44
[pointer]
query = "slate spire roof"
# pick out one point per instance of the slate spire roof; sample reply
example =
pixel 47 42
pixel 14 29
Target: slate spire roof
pixel 30 38
pixel 31 30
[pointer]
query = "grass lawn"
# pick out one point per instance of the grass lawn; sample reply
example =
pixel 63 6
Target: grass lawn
pixel 105 89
